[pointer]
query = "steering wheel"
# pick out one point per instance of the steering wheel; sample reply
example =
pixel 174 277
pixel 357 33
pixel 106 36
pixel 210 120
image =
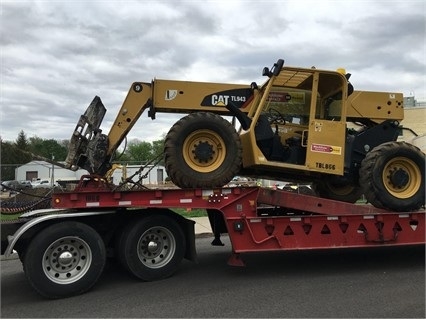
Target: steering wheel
pixel 275 117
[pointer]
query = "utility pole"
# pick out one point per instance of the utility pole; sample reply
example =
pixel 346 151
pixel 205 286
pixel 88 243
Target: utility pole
pixel 52 182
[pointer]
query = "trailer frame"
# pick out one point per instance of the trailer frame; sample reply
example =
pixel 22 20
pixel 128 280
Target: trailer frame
pixel 309 222
pixel 256 219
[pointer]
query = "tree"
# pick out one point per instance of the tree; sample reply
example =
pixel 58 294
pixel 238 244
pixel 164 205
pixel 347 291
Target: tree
pixel 142 152
pixel 7 169
pixel 48 148
pixel 158 149
pixel 139 151
pixel 22 142
pixel 18 153
pixel 11 157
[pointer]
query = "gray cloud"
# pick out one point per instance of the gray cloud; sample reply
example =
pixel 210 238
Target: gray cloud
pixel 57 55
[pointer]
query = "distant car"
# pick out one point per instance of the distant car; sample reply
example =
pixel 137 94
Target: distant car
pixel 239 181
pixel 5 185
pixel 298 188
pixel 26 184
pixel 14 185
pixel 41 184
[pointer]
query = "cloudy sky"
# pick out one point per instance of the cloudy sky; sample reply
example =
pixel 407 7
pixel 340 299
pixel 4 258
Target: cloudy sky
pixel 57 55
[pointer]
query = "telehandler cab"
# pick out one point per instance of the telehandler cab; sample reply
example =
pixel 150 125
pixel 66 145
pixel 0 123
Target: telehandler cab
pixel 300 125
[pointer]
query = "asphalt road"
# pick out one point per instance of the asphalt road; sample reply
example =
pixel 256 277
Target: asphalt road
pixel 363 283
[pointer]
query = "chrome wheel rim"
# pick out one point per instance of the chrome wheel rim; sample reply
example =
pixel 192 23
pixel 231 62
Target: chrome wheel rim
pixel 67 260
pixel 156 247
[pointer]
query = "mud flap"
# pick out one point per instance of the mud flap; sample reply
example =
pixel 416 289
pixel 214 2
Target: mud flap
pixel 190 251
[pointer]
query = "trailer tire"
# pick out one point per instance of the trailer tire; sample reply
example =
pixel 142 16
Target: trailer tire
pixel 393 176
pixel 64 259
pixel 336 188
pixel 152 247
pixel 202 150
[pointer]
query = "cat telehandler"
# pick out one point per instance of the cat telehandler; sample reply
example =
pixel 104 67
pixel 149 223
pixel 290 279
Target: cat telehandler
pixel 301 124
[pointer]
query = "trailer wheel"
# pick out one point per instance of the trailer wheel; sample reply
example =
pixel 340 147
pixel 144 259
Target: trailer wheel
pixel 393 175
pixel 202 150
pixel 152 248
pixel 337 188
pixel 64 259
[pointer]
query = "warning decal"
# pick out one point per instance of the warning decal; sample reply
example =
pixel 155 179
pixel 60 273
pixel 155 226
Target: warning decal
pixel 326 148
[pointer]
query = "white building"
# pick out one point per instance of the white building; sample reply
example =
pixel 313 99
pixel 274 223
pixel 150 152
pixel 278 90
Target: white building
pixel 45 171
pixel 148 176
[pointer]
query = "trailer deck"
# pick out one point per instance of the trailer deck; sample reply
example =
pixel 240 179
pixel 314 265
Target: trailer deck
pixel 263 219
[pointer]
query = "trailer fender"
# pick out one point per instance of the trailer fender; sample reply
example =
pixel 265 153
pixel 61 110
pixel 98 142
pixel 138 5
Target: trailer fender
pixel 52 214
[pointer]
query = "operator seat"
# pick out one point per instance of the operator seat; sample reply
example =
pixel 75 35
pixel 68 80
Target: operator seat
pixel 267 141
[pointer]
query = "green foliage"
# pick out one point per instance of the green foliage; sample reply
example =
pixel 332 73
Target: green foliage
pixel 18 153
pixel 7 156
pixel 12 155
pixel 142 151
pixel 22 142
pixel 10 158
pixel 158 149
pixel 139 151
pixel 48 148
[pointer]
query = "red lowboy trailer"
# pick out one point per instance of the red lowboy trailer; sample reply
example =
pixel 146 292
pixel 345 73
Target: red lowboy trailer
pixel 64 249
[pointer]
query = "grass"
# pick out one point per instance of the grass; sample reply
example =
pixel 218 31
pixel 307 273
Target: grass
pixel 7 217
pixel 190 213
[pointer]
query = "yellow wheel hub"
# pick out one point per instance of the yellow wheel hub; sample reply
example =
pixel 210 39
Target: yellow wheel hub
pixel 204 150
pixel 401 177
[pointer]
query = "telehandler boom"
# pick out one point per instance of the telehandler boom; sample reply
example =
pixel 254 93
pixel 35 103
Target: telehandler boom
pixel 300 125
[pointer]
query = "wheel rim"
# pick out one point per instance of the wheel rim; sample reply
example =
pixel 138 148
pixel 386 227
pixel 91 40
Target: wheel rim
pixel 156 247
pixel 402 177
pixel 67 260
pixel 204 150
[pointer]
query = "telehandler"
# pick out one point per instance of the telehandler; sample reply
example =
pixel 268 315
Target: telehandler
pixel 301 124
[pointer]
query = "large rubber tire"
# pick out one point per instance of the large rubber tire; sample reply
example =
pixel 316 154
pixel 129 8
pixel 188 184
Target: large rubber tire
pixel 337 188
pixel 393 176
pixel 64 259
pixel 151 248
pixel 202 150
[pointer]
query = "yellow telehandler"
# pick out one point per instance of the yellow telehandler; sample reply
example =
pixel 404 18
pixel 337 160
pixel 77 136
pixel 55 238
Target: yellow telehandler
pixel 301 124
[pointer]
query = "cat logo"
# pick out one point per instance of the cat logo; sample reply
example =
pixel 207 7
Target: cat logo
pixel 220 100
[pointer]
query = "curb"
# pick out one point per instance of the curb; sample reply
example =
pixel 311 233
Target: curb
pixel 203 235
pixel 13 256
